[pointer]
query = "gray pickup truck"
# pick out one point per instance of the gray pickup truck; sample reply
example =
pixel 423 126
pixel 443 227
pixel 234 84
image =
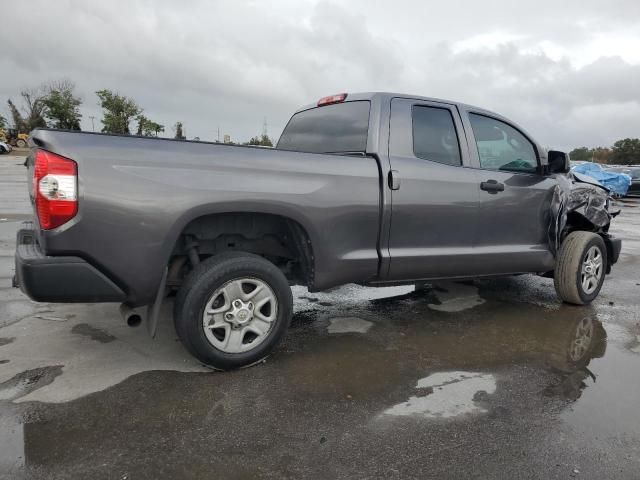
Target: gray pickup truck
pixel 371 188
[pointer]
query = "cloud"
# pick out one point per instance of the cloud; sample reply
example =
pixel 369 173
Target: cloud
pixel 567 72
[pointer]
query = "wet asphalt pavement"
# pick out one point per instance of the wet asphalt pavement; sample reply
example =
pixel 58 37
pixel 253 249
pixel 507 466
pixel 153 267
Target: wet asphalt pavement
pixel 484 379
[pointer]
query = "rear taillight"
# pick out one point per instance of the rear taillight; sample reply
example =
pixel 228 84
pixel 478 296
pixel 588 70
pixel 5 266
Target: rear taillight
pixel 55 185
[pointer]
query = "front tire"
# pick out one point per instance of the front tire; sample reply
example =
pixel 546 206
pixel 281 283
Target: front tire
pixel 21 143
pixel 232 310
pixel 580 268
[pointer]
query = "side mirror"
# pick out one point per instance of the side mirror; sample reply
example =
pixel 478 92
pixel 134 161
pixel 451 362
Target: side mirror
pixel 558 162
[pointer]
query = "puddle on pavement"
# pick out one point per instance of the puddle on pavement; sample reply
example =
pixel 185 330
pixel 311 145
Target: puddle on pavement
pixel 348 325
pixel 456 297
pixel 28 381
pixel 6 341
pixel 446 395
pixel 492 366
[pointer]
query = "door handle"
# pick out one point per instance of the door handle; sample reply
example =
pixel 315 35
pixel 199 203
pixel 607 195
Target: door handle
pixel 492 186
pixel 394 180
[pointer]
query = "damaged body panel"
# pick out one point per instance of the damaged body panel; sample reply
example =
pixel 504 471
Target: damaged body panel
pixel 580 203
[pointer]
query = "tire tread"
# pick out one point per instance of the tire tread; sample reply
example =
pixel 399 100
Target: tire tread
pixel 568 264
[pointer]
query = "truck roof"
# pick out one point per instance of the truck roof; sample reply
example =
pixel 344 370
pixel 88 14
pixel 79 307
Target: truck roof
pixel 387 96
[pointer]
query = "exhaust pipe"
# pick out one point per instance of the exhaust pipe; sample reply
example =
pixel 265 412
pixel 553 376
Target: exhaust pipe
pixel 130 316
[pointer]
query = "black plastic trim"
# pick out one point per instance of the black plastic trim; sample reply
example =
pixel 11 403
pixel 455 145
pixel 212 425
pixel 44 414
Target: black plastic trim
pixel 614 245
pixel 59 279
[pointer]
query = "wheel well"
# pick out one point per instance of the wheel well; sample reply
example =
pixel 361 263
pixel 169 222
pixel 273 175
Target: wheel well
pixel 279 239
pixel 575 221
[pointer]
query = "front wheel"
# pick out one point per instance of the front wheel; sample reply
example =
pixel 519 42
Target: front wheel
pixel 580 268
pixel 21 143
pixel 233 309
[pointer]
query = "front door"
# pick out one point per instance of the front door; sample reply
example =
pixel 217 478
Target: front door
pixel 514 214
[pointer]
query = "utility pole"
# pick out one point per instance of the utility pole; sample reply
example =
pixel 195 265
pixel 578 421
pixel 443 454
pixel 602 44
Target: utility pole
pixel 218 133
pixel 264 127
pixel 93 127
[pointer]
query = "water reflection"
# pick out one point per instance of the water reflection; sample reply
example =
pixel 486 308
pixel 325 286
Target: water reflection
pixel 410 340
pixel 589 341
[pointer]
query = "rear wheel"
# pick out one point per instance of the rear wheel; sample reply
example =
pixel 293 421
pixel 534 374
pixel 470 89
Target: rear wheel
pixel 233 309
pixel 580 268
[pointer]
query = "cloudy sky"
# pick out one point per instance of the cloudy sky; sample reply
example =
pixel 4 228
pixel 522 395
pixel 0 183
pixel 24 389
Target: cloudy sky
pixel 569 71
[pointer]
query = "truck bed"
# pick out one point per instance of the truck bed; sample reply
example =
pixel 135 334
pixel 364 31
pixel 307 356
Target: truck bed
pixel 137 194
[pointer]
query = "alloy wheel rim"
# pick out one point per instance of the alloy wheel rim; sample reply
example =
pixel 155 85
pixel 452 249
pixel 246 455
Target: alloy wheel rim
pixel 591 271
pixel 240 315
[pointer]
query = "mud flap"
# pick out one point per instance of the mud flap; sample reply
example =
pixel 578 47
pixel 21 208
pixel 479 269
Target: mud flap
pixel 153 311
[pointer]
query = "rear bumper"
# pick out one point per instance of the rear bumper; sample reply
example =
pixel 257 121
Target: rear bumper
pixel 59 279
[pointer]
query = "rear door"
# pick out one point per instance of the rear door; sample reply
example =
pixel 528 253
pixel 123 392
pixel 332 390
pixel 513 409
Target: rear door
pixel 514 213
pixel 434 192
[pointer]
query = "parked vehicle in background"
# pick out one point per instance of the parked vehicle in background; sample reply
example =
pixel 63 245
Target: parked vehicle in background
pixel 616 182
pixel 634 189
pixel 14 138
pixel 634 172
pixel 372 188
pixel 5 147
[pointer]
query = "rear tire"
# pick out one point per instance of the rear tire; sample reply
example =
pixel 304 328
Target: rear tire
pixel 580 268
pixel 242 325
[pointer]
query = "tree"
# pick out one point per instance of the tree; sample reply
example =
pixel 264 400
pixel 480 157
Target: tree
pixel 62 106
pixel 598 154
pixel 118 111
pixel 580 153
pixel 263 140
pixel 147 127
pixel 3 122
pixel 179 133
pixel 626 151
pixel 602 155
pixel 33 109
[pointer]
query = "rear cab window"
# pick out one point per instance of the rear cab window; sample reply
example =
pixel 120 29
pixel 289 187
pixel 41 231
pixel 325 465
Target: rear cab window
pixel 434 135
pixel 335 128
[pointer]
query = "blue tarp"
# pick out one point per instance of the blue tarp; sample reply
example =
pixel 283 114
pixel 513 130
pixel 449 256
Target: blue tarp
pixel 617 183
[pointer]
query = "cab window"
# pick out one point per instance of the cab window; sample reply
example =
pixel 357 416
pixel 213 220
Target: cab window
pixel 434 135
pixel 337 128
pixel 502 147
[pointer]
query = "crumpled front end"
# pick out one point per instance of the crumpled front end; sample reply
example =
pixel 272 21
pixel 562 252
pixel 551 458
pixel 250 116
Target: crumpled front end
pixel 578 204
